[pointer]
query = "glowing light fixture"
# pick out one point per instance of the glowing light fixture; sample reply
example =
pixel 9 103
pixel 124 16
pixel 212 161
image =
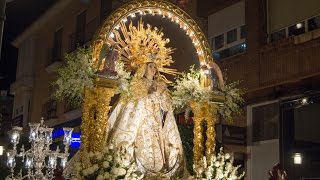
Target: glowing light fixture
pixel 297 158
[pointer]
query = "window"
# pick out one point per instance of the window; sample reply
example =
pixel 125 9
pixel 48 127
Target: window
pixel 218 41
pixel 105 8
pixel 243 32
pixel 314 23
pixel 234 50
pixel 278 35
pixel 80 28
pixel 297 29
pixel 232 36
pixel 56 51
pixel 234 44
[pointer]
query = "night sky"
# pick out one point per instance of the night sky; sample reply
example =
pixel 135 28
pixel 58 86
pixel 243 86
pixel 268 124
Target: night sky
pixel 19 15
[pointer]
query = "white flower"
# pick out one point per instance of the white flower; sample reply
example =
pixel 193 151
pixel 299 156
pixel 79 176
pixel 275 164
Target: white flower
pixel 121 171
pixel 111 146
pixel 114 171
pixel 109 158
pixel 106 164
pixel 126 162
pixel 217 164
pixel 227 155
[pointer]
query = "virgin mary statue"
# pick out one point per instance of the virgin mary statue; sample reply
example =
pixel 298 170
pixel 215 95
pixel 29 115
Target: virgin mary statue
pixel 145 125
pixel 143 121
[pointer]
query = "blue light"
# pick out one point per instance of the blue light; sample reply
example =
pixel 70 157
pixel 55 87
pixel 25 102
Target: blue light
pixel 57 133
pixel 75 137
pixel 244 45
pixel 75 140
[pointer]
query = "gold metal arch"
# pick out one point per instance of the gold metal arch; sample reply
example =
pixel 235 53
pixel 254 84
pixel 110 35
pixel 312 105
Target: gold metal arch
pixel 166 10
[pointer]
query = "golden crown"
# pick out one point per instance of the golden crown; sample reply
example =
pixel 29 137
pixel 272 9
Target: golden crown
pixel 140 45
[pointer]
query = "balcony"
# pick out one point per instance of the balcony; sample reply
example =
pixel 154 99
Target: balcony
pixel 289 60
pixel 83 36
pixel 54 59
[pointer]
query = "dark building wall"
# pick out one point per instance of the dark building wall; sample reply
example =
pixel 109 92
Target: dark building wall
pixel 6 105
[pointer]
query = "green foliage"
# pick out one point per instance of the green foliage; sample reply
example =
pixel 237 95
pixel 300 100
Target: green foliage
pixel 186 134
pixel 233 100
pixel 73 76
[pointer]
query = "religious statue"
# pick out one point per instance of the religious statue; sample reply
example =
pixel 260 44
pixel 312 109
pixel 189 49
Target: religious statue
pixel 143 121
pixel 146 127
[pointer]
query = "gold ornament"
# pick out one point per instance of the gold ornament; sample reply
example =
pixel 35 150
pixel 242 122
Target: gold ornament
pixel 204 112
pixel 95 114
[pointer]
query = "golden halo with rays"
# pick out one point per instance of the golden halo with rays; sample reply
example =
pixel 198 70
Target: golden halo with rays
pixel 139 45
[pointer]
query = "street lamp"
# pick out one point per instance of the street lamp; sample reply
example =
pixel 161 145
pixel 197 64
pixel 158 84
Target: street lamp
pixel 39 160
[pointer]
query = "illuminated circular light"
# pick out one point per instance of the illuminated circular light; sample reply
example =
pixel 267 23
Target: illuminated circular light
pixel 140 12
pixel 117 27
pixel 169 15
pixel 304 101
pixel 299 25
pixel 124 20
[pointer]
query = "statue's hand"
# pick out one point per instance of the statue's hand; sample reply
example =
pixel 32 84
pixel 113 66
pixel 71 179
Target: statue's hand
pixel 161 87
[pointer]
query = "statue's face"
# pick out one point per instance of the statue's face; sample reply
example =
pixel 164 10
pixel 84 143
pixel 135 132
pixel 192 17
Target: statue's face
pixel 151 70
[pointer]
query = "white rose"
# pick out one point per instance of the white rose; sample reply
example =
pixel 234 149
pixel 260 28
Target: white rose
pixel 114 171
pixel 109 158
pixel 118 160
pixel 126 162
pixel 216 164
pixel 111 146
pixel 105 164
pixel 121 171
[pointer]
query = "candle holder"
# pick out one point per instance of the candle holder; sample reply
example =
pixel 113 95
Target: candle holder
pixel 39 161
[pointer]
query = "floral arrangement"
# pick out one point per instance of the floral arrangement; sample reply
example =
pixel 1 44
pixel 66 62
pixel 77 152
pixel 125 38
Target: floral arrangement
pixel 74 76
pixel 111 163
pixel 78 72
pixel 124 78
pixel 218 167
pixel 187 88
pixel 233 100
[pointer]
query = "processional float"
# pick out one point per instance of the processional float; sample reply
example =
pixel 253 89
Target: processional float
pixel 96 103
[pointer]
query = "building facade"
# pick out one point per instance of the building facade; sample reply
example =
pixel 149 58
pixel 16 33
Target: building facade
pixel 273 48
pixel 66 25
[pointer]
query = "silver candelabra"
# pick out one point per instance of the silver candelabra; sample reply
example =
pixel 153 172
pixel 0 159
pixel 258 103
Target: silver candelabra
pixel 39 160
